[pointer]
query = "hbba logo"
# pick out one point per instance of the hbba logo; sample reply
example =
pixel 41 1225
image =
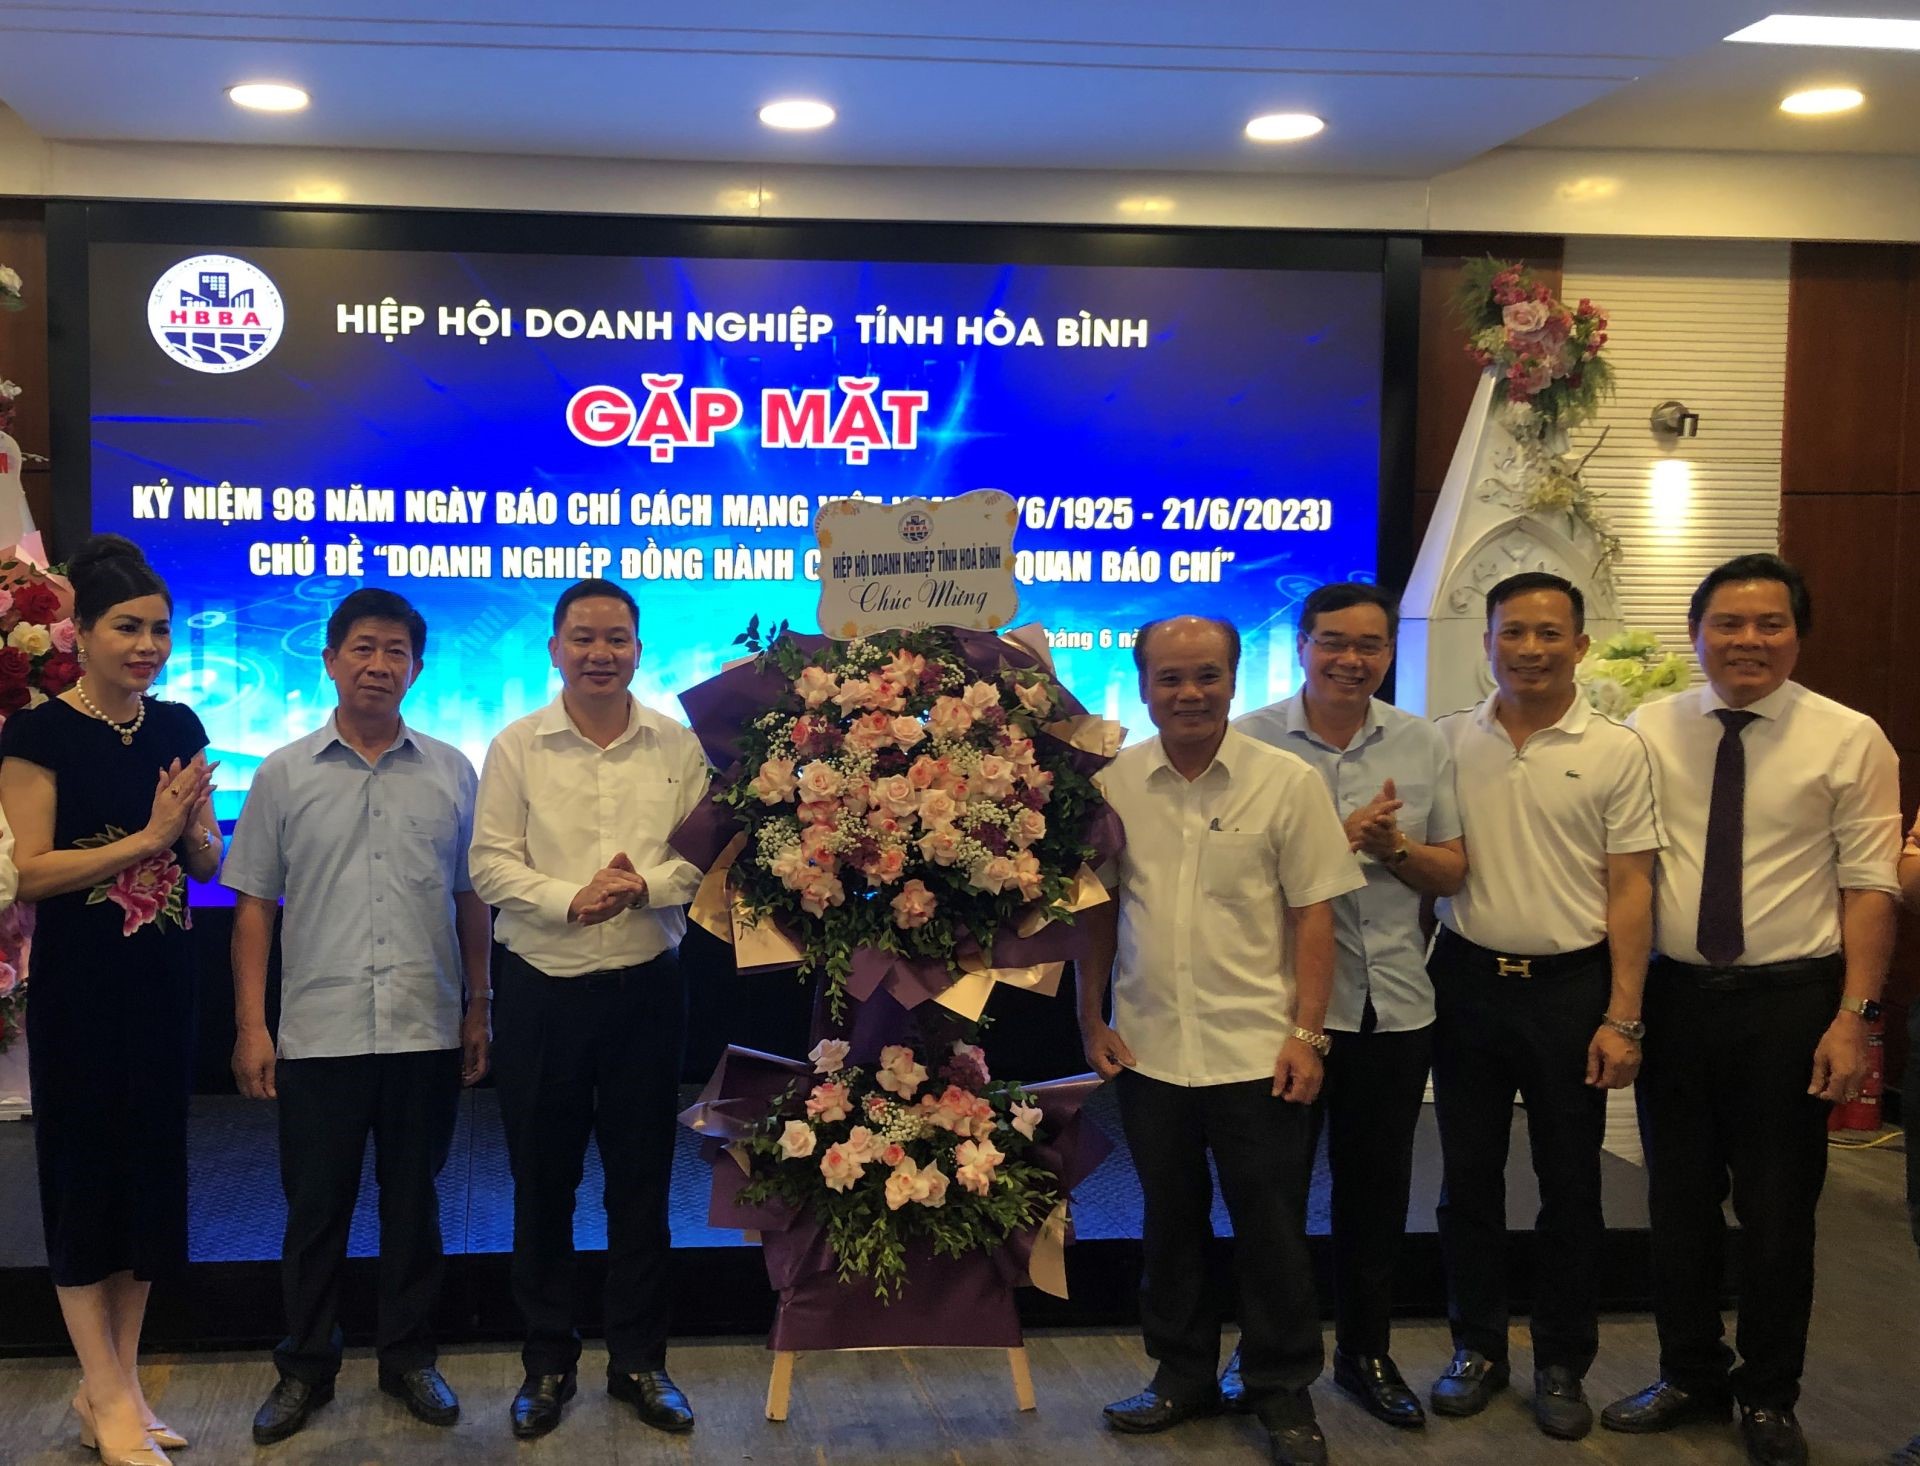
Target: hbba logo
pixel 915 526
pixel 215 313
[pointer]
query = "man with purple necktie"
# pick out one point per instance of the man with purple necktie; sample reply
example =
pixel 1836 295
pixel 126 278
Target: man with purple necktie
pixel 1774 925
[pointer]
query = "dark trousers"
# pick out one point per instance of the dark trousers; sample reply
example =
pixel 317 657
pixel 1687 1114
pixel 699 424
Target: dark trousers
pixel 1496 1036
pixel 1259 1144
pixel 1369 1105
pixel 1724 1109
pixel 588 1056
pixel 408 1103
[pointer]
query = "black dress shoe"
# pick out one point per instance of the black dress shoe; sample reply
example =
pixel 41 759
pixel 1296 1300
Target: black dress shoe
pixel 423 1392
pixel 536 1409
pixel 287 1409
pixel 1376 1384
pixel 656 1398
pixel 1147 1412
pixel 1907 1455
pixel 1469 1383
pixel 1297 1445
pixel 1662 1405
pixel 1233 1389
pixel 1560 1405
pixel 1772 1437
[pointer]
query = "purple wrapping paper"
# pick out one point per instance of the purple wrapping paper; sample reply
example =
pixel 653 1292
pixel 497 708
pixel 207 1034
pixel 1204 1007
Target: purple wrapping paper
pixel 955 1302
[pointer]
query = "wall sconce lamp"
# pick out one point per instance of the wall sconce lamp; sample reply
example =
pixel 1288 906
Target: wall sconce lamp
pixel 1672 420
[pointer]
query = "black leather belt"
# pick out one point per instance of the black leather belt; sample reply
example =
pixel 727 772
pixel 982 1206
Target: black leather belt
pixel 1457 951
pixel 1801 972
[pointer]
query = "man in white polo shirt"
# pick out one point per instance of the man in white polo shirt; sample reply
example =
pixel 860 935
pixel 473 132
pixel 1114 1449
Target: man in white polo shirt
pixel 1775 926
pixel 1537 972
pixel 1224 931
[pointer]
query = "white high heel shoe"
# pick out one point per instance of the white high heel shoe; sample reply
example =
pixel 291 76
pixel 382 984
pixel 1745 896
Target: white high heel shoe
pixel 147 1454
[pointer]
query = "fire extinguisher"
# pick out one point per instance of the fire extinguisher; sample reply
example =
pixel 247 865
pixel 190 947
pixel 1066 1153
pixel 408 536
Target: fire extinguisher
pixel 1864 1113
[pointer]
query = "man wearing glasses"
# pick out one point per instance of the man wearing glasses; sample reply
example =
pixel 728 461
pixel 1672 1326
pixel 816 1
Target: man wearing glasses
pixel 1391 777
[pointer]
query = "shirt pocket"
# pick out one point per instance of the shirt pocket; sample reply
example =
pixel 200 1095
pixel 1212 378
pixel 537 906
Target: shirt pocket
pixel 1236 867
pixel 430 842
pixel 1416 807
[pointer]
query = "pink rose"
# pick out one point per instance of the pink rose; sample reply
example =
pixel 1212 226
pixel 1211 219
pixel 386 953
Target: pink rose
pixel 896 795
pixel 974 1162
pixel 887 866
pixel 994 778
pixel 6 602
pixel 933 1187
pixel 858 795
pixel 1524 316
pixel 905 668
pixel 797 1140
pixel 1035 697
pixel 914 906
pixel 61 631
pixel 893 1154
pixel 903 1183
pixel 950 719
pixel 907 731
pixel 828 1103
pixel 839 1169
pixel 980 696
pixel 1029 828
pixel 941 845
pixel 923 772
pixel 1026 875
pixel 992 875
pixel 876 1106
pixel 898 1074
pixel 870 732
pixel 818 812
pixel 821 892
pixel 855 693
pixel 885 694
pixel 815 685
pixel 775 783
pixel 882 823
pixel 937 807
pixel 862 1144
pixel 820 781
pixel 9 978
pixel 789 866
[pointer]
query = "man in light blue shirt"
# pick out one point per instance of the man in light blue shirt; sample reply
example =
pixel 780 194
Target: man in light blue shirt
pixel 362 827
pixel 1391 777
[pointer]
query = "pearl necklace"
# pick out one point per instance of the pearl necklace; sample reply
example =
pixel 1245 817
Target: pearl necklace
pixel 125 730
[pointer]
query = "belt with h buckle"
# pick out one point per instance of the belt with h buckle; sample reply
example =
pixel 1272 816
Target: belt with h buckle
pixel 1456 951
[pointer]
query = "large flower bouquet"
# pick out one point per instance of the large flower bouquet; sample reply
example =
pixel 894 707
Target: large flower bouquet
pixel 1628 669
pixel 37 661
pixel 1545 357
pixel 895 1151
pixel 909 795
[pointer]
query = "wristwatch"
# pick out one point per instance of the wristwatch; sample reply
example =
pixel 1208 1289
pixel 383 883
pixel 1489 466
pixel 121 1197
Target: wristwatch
pixel 1320 1043
pixel 1867 1008
pixel 1398 855
pixel 1628 1028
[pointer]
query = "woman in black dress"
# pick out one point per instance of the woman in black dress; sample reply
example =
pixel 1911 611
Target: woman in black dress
pixel 107 791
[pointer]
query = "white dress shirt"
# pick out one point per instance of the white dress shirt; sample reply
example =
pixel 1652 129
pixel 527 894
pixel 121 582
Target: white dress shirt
pixel 1822 816
pixel 555 808
pixel 1540 821
pixel 1203 978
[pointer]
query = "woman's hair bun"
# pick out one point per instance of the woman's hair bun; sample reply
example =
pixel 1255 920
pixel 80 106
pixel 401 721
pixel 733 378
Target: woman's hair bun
pixel 109 569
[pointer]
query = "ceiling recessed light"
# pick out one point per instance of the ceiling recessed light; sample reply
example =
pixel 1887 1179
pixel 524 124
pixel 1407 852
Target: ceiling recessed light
pixel 1283 127
pixel 1822 100
pixel 1859 31
pixel 268 96
pixel 796 115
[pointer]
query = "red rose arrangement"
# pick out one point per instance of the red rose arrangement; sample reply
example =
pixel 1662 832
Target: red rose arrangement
pixel 37 661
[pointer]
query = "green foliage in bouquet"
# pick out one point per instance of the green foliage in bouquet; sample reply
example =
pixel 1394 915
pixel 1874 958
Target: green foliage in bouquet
pixel 1629 669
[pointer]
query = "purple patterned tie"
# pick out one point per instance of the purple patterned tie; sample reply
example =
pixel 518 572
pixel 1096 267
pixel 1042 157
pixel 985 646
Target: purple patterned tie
pixel 1722 929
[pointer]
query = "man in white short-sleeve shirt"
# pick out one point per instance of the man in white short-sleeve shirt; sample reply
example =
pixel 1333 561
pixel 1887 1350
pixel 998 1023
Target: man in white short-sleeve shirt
pixel 1220 950
pixel 570 843
pixel 1537 971
pixel 1775 925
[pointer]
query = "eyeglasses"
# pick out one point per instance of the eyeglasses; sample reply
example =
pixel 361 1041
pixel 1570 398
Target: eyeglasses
pixel 1368 647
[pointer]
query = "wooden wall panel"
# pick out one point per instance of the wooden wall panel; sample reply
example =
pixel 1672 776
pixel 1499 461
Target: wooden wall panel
pixel 1847 545
pixel 1847 368
pixel 23 344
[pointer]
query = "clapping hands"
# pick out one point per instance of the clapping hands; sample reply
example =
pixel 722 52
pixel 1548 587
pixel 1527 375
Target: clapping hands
pixel 614 889
pixel 1374 828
